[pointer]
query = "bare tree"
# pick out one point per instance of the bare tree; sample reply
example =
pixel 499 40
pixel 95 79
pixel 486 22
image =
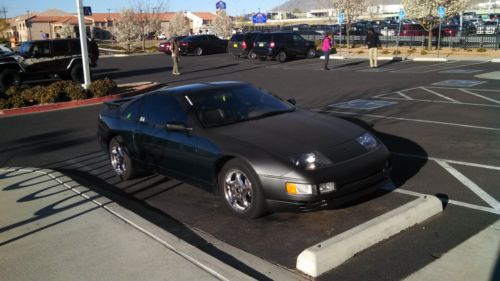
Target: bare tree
pixel 126 30
pixel 148 19
pixel 426 12
pixel 4 26
pixel 178 25
pixel 223 24
pixel 66 31
pixel 352 10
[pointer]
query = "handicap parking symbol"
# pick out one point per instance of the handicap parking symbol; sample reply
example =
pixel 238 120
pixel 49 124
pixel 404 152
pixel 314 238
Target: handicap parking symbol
pixel 459 83
pixel 363 104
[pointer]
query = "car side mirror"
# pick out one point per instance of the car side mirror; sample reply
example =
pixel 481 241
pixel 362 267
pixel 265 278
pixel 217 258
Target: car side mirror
pixel 292 101
pixel 178 127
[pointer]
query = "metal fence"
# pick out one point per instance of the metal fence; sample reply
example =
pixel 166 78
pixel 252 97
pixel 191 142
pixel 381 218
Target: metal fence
pixel 450 37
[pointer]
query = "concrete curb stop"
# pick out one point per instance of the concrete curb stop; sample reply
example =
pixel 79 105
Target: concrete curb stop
pixel 332 57
pixel 495 60
pixel 430 59
pixel 331 253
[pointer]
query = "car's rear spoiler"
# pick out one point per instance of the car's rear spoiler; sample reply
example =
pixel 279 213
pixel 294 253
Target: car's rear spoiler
pixel 112 104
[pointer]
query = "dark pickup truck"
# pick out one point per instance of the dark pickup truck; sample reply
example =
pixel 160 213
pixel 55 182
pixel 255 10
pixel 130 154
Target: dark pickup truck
pixel 45 59
pixel 202 44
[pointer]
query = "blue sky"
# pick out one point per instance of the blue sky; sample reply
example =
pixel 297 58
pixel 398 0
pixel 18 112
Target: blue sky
pixel 234 7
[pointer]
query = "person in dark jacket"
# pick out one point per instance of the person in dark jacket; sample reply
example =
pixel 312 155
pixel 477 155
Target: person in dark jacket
pixel 373 43
pixel 175 57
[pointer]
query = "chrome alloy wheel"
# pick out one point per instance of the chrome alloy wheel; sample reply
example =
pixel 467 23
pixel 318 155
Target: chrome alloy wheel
pixel 238 190
pixel 117 155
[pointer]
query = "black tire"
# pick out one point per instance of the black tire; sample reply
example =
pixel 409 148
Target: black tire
pixel 249 202
pixel 281 57
pixel 311 53
pixel 252 55
pixel 198 51
pixel 123 166
pixel 9 78
pixel 76 73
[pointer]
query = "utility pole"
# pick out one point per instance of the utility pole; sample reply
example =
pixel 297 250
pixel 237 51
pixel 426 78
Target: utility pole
pixel 4 12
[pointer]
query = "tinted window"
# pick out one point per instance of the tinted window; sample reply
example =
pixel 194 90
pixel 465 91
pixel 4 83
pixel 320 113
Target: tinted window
pixel 41 48
pixel 25 49
pixel 160 109
pixel 297 37
pixel 131 111
pixel 263 38
pixel 75 47
pixel 237 37
pixel 212 37
pixel 235 104
pixel 60 48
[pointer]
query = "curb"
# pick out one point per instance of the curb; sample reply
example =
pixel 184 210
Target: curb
pixel 76 103
pixel 495 60
pixel 430 59
pixel 129 55
pixel 331 253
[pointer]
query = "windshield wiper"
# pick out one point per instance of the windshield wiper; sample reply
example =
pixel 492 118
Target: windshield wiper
pixel 270 113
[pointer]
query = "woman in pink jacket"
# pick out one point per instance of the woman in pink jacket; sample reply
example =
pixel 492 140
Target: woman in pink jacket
pixel 327 45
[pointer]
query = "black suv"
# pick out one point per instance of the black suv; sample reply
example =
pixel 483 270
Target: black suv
pixel 202 44
pixel 241 45
pixel 283 45
pixel 46 59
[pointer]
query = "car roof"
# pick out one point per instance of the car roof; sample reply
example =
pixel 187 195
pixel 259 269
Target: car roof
pixel 199 87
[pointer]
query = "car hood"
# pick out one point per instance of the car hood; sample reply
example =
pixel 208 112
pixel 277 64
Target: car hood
pixel 295 133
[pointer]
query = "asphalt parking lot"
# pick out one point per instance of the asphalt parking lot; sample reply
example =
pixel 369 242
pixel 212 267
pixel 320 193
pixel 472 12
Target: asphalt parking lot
pixel 439 120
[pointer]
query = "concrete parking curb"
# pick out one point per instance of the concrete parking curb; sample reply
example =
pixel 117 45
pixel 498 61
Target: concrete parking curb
pixel 76 103
pixel 331 253
pixel 430 59
pixel 332 57
pixel 495 60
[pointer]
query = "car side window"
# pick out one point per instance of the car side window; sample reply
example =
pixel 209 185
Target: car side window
pixel 297 38
pixel 41 49
pixel 160 109
pixel 60 48
pixel 131 111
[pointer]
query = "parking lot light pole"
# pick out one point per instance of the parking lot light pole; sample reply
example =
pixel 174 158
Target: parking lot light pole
pixel 83 43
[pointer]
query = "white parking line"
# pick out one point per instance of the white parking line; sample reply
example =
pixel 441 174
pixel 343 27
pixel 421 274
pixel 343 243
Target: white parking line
pixel 409 119
pixel 450 201
pixel 479 96
pixel 441 101
pixel 469 184
pixel 489 167
pixel 439 95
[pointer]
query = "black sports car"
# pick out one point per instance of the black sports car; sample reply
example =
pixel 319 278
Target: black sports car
pixel 259 152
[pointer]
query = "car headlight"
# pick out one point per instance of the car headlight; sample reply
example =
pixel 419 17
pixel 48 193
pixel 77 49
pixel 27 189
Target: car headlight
pixel 368 141
pixel 310 161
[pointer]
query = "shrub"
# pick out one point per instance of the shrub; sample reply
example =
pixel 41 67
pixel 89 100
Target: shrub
pixel 385 52
pixel 481 50
pixel 396 52
pixel 67 90
pixel 101 88
pixel 423 52
pixel 16 101
pixel 4 104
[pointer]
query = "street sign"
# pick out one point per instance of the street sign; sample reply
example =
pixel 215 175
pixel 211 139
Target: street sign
pixel 87 11
pixel 221 5
pixel 441 11
pixel 259 18
pixel 341 18
pixel 401 14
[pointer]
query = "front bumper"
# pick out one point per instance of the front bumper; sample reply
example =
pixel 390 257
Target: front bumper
pixel 353 179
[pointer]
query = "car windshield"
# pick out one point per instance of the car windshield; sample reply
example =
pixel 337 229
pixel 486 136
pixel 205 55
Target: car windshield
pixel 240 103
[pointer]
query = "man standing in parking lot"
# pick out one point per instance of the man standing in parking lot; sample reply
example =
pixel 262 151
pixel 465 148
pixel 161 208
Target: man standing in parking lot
pixel 175 57
pixel 327 46
pixel 373 42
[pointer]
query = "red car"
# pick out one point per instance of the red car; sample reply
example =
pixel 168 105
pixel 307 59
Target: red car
pixel 165 46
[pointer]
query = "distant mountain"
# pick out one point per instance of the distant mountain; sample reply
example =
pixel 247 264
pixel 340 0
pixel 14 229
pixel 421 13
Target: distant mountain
pixel 306 5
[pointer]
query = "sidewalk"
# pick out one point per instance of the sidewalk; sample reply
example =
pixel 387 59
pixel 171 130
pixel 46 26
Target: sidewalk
pixel 52 228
